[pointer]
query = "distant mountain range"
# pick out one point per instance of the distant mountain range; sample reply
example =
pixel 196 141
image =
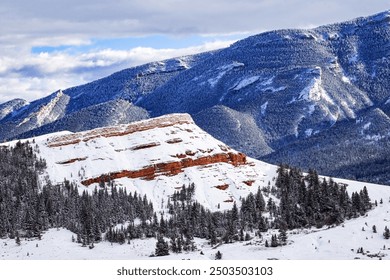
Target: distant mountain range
pixel 315 98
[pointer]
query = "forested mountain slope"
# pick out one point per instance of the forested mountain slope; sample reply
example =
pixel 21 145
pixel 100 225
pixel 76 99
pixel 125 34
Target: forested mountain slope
pixel 312 98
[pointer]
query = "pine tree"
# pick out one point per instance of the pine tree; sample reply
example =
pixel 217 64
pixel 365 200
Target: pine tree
pixel 174 245
pixel 180 244
pixel 283 236
pixel 17 239
pixel 274 241
pixel 212 234
pixel 386 233
pixel 218 255
pixel 241 234
pixel 260 202
pixel 162 247
pixel 374 228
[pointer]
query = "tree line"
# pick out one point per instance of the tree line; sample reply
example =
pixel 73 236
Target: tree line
pixel 297 200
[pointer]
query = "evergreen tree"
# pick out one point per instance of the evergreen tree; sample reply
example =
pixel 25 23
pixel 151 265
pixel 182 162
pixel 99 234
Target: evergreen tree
pixel 274 241
pixel 283 237
pixel 162 247
pixel 173 246
pixel 386 233
pixel 17 239
pixel 218 255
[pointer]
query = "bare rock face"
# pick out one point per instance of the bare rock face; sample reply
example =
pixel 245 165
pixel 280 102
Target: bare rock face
pixel 189 158
pixel 169 168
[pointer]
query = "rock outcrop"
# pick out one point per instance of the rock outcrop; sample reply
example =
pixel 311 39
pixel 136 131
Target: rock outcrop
pixel 164 121
pixel 154 157
pixel 170 168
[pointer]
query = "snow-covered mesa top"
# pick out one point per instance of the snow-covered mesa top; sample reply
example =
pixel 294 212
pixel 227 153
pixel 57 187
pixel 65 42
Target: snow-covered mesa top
pixel 154 157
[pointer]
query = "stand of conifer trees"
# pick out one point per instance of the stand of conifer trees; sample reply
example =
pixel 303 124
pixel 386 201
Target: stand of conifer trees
pixel 28 208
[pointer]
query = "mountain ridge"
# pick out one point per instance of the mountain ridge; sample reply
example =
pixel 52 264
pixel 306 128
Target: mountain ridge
pixel 275 91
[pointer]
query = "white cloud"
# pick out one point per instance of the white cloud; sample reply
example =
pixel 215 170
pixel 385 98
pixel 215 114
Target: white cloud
pixel 41 20
pixel 25 24
pixel 31 76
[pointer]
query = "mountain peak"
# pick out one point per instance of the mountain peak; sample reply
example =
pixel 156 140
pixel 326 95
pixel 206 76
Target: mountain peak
pixel 11 106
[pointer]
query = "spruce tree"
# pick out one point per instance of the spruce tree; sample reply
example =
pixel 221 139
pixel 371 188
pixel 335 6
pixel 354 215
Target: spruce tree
pixel 274 241
pixel 386 233
pixel 17 239
pixel 218 255
pixel 174 245
pixel 283 236
pixel 162 247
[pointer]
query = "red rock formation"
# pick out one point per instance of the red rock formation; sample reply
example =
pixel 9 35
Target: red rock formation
pixel 190 153
pixel 222 187
pixel 249 182
pixel 164 121
pixel 170 168
pixel 181 156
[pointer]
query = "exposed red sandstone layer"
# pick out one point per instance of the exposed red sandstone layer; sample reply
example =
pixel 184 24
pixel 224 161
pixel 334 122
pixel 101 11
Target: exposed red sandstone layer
pixel 222 187
pixel 169 168
pixel 249 182
pixel 160 122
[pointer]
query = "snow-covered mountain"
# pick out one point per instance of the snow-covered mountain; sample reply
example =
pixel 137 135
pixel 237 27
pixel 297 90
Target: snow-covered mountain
pixel 11 107
pixel 312 98
pixel 155 157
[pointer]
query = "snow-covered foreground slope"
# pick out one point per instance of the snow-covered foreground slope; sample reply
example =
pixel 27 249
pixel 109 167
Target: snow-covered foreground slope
pixel 340 242
pixel 156 157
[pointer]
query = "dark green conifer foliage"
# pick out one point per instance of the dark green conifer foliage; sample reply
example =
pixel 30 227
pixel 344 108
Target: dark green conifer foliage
pixel 218 255
pixel 162 247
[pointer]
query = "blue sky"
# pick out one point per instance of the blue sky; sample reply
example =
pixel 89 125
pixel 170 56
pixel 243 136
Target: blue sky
pixel 46 45
pixel 159 41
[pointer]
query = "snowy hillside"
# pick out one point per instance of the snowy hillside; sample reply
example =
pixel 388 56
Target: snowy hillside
pixel 155 158
pixel 336 243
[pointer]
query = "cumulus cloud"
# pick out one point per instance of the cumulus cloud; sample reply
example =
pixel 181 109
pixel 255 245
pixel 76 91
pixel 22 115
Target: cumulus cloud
pixel 28 24
pixel 35 75
pixel 101 18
